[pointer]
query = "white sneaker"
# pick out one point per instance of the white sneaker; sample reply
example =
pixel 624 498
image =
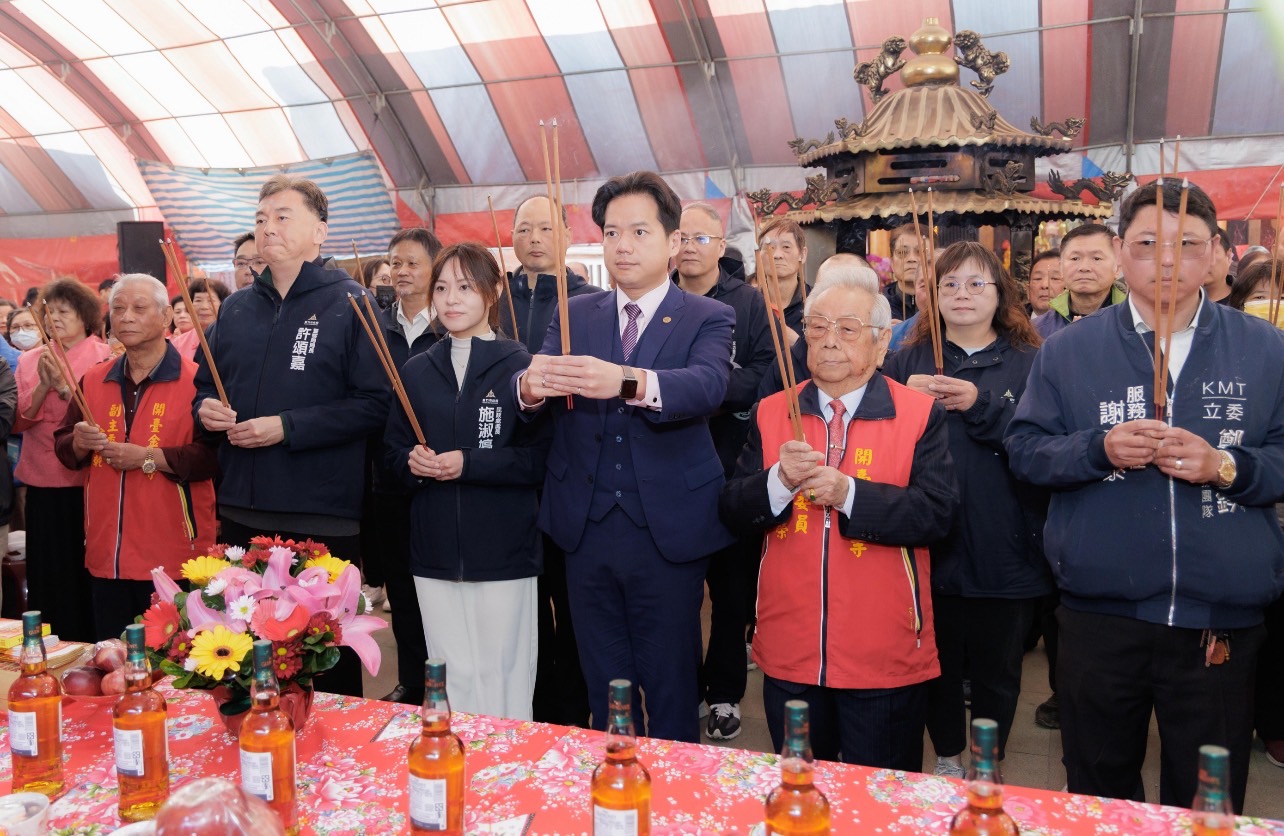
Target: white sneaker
pixel 753 666
pixel 724 721
pixel 374 594
pixel 949 767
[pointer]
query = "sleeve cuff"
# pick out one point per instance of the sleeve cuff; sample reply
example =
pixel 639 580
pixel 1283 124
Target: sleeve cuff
pixel 651 397
pixel 777 494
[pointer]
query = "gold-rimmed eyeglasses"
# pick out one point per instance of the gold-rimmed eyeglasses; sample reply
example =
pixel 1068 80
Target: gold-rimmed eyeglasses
pixel 848 328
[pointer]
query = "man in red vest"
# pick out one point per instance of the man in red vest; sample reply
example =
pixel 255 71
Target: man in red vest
pixel 844 612
pixel 149 495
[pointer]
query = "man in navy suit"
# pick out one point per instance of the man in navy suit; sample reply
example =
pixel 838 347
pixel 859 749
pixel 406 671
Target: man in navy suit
pixel 633 478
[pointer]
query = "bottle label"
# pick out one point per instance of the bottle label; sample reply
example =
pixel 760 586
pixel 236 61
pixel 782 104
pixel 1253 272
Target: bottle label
pixel 129 752
pixel 428 803
pixel 22 733
pixel 608 822
pixel 256 774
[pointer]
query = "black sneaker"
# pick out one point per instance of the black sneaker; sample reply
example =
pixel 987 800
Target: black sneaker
pixel 724 721
pixel 1047 715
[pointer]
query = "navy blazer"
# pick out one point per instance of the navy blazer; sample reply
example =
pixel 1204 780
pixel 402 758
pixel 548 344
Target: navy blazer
pixel 679 476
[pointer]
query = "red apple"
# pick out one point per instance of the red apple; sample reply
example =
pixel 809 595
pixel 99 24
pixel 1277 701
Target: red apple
pixel 109 655
pixel 114 683
pixel 83 681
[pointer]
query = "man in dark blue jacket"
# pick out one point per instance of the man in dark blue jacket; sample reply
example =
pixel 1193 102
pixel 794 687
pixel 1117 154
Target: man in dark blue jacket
pixel 559 683
pixel 304 389
pixel 732 571
pixel 1162 534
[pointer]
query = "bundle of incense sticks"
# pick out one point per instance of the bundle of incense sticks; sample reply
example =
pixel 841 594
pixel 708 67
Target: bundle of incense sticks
pixel 1165 315
pixel 553 175
pixel 63 362
pixel 171 257
pixel 375 332
pixel 927 266
pixel 357 256
pixel 503 268
pixel 1274 306
pixel 770 285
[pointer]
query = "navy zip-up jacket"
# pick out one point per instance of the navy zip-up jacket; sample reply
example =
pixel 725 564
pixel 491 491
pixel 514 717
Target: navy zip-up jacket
pixel 535 305
pixel 1135 543
pixel 481 526
pixel 995 545
pixel 307 359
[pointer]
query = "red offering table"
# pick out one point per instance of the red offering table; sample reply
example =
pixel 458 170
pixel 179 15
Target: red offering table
pixel 534 778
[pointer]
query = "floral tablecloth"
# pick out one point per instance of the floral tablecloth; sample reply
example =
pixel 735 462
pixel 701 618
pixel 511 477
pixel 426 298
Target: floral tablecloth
pixel 534 778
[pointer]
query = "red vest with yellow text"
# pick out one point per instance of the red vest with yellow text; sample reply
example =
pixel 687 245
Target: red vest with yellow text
pixel 834 611
pixel 135 522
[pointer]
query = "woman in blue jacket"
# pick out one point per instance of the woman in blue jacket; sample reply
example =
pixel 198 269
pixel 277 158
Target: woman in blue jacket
pixel 990 572
pixel 474 548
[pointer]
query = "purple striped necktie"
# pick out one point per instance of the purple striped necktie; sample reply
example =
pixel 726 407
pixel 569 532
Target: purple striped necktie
pixel 629 339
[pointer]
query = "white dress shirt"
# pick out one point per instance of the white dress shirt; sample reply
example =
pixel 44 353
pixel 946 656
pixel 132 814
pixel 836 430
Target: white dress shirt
pixel 1179 344
pixel 414 328
pixel 779 495
pixel 649 302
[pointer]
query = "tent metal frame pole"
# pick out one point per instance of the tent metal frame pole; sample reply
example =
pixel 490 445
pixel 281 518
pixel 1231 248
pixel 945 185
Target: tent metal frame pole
pixel 1135 29
pixel 710 67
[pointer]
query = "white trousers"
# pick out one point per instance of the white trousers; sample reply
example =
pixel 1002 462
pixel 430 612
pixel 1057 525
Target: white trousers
pixel 488 634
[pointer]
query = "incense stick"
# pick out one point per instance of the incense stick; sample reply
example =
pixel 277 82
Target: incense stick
pixel 777 338
pixel 389 367
pixel 167 247
pixel 1160 386
pixel 790 381
pixel 503 268
pixel 1171 312
pixel 1273 308
pixel 1177 156
pixel 933 291
pixel 360 273
pixel 67 373
pixel 557 208
pixel 554 208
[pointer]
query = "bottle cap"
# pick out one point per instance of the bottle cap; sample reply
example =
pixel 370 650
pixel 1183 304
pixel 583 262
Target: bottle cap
pixel 620 694
pixel 135 640
pixel 985 739
pixel 435 675
pixel 31 624
pixel 262 654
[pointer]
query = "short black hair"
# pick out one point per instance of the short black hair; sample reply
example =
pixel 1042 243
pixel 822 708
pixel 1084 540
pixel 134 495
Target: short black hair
pixel 1224 236
pixel 106 284
pixel 529 198
pixel 219 289
pixel 421 236
pixel 1053 253
pixel 1083 231
pixel 668 207
pixel 1198 204
pixel 240 240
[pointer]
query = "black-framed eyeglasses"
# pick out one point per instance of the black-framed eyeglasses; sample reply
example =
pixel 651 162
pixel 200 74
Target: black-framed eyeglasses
pixel 848 328
pixel 976 287
pixel 1144 249
pixel 702 240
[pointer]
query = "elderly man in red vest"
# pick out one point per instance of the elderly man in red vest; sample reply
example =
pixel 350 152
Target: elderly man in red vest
pixel 844 610
pixel 149 495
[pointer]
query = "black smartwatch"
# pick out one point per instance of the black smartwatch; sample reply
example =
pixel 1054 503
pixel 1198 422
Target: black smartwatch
pixel 629 385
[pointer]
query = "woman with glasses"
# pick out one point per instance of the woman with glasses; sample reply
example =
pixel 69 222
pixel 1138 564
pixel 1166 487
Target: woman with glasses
pixel 989 573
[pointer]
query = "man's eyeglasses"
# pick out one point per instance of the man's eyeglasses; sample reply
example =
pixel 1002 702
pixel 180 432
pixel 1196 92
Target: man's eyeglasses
pixel 702 240
pixel 976 287
pixel 848 328
pixel 256 263
pixel 1144 249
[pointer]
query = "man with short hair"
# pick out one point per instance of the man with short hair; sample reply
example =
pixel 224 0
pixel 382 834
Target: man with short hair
pixel 844 610
pixel 305 388
pixel 1162 534
pixel 246 261
pixel 149 491
pixel 633 475
pixel 907 262
pixel 704 272
pixel 789 256
pixel 1045 281
pixel 1088 269
pixel 560 695
pixel 1217 286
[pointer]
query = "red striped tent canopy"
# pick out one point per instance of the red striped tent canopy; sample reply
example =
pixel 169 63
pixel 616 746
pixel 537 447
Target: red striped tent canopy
pixel 446 96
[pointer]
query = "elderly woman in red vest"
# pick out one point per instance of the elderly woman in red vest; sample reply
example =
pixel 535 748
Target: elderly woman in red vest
pixel 844 613
pixel 149 489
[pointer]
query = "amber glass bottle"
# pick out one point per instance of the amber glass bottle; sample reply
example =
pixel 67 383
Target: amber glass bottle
pixel 436 762
pixel 1213 813
pixel 35 717
pixel 796 806
pixel 142 744
pixel 267 743
pixel 621 785
pixel 983 815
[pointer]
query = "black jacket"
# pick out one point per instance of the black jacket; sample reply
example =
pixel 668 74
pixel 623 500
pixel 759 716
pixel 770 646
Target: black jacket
pixel 307 359
pixel 771 380
pixel 751 355
pixel 903 307
pixel 535 306
pixel 481 526
pixel 381 480
pixel 995 547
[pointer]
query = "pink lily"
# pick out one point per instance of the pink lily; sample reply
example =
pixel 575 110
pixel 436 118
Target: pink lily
pixel 357 628
pixel 202 616
pixel 166 589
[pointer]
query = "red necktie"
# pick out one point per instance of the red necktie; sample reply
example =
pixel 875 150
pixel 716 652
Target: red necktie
pixel 837 438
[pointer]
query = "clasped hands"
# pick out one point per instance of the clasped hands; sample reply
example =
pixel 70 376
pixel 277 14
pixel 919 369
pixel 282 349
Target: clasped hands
pixel 954 394
pixel 1176 452
pixel 254 432
pixel 552 376
pixel 443 467
pixel 802 468
pixel 86 439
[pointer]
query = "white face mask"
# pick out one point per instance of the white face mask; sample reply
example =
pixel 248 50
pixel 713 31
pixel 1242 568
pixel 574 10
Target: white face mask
pixel 24 338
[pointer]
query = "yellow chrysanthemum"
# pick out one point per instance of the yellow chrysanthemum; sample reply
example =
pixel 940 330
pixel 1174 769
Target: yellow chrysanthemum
pixel 218 650
pixel 201 570
pixel 333 565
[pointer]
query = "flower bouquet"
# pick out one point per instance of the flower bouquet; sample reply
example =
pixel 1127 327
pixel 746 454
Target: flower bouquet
pixel 298 596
